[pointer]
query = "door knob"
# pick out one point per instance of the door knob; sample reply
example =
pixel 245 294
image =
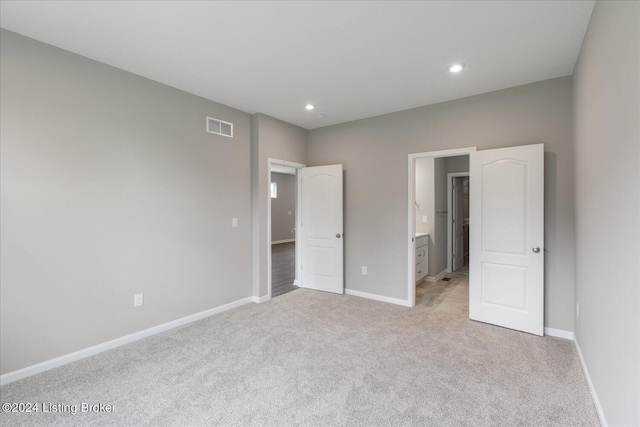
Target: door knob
pixel 535 249
pixel 338 235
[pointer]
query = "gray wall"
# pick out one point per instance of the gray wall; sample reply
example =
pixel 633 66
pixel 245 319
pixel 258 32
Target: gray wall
pixel 374 154
pixel 275 139
pixel 283 208
pixel 424 195
pixel 607 155
pixel 110 186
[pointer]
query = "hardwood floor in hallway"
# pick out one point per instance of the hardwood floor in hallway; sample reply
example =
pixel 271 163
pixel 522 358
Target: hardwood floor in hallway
pixel 283 268
pixel 450 296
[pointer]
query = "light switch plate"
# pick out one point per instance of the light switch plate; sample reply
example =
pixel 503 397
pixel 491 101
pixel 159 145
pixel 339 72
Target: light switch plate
pixel 234 222
pixel 424 218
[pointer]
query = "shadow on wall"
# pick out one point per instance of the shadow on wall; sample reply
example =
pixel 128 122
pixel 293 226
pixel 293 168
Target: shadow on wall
pixel 550 213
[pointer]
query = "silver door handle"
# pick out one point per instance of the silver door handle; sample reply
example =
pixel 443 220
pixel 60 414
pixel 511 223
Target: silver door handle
pixel 535 249
pixel 338 235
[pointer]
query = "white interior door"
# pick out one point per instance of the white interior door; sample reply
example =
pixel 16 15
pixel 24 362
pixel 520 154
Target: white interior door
pixel 321 229
pixel 457 223
pixel 506 249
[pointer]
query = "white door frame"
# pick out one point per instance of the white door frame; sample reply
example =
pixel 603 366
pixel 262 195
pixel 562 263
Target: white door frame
pixel 411 212
pixel 450 176
pixel 297 166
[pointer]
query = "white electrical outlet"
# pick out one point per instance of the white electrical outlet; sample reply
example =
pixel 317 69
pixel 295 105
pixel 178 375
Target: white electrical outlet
pixel 424 218
pixel 364 270
pixel 578 309
pixel 234 222
pixel 138 300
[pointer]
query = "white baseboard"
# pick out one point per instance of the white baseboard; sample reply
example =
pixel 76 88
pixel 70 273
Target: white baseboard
pixel 437 277
pixel 559 333
pixel 81 354
pixel 259 300
pixel 390 300
pixel 594 396
pixel 283 241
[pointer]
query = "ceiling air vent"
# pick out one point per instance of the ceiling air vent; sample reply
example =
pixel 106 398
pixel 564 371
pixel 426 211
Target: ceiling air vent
pixel 219 127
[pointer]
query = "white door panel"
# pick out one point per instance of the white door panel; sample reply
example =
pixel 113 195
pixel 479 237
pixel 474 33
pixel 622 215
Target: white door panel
pixel 321 229
pixel 507 238
pixel 504 286
pixel 504 206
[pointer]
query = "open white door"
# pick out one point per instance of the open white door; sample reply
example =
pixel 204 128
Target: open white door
pixel 506 249
pixel 321 229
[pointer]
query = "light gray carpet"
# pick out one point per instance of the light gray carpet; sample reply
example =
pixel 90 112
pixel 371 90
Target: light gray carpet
pixel 317 359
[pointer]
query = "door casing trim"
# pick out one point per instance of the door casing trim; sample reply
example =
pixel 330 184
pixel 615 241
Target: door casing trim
pixel 297 166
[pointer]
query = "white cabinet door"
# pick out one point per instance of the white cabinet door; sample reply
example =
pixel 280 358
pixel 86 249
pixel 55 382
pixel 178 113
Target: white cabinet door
pixel 506 246
pixel 321 229
pixel 422 258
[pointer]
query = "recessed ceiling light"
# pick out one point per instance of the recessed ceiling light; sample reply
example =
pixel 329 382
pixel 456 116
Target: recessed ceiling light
pixel 309 107
pixel 456 68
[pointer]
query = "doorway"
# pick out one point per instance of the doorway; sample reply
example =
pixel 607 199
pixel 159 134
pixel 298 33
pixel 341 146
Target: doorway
pixel 318 242
pixel 506 252
pixel 282 192
pixel 440 215
pixel 283 250
pixel 428 217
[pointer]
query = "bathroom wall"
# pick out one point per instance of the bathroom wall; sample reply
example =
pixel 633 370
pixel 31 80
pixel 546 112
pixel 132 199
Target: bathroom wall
pixel 424 195
pixel 283 208
pixel 443 166
pixel 438 254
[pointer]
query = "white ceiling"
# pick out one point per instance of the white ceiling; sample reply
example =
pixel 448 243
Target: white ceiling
pixel 351 59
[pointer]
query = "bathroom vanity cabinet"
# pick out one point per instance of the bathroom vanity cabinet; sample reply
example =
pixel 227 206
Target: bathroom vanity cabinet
pixel 422 256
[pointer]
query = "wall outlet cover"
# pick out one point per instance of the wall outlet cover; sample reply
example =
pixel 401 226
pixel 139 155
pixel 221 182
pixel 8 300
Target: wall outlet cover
pixel 364 270
pixel 138 300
